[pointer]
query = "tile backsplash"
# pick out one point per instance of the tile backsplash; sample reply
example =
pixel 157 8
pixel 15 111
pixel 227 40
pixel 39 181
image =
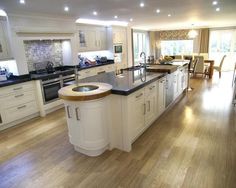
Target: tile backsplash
pixel 37 51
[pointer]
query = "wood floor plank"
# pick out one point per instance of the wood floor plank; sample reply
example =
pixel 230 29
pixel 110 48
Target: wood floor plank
pixel 192 145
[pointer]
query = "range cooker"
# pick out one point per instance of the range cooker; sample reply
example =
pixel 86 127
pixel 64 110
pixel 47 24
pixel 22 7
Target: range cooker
pixel 51 83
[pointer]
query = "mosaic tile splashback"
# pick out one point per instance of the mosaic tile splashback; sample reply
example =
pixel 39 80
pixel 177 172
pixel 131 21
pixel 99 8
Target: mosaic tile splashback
pixel 37 51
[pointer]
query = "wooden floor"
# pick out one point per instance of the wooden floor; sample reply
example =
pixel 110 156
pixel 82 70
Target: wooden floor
pixel 193 145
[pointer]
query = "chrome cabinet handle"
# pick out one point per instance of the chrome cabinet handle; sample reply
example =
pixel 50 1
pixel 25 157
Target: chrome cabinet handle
pixel 144 108
pixel 19 95
pixel 20 107
pixel 141 94
pixel 77 113
pixel 150 88
pixel 17 88
pixel 68 111
pixel 149 106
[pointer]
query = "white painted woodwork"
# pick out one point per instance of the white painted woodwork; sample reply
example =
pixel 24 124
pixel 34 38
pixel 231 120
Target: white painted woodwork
pixel 17 102
pixel 88 125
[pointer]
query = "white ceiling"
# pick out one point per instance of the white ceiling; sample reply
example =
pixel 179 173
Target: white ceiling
pixel 201 13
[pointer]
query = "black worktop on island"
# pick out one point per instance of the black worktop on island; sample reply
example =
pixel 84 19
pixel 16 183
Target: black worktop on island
pixel 125 83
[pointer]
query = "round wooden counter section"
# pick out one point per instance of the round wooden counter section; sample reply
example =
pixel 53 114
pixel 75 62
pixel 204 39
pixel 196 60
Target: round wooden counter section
pixel 67 93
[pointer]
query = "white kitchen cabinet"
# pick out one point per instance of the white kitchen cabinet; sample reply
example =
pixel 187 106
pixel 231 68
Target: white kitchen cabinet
pixel 150 103
pixel 136 113
pixel 88 135
pixel 176 84
pixel 91 38
pixel 4 40
pixel 17 102
pixel 87 73
pixel 161 95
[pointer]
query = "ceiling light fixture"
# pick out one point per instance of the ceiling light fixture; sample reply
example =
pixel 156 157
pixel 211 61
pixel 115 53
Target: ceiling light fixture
pixel 66 8
pixel 214 3
pixel 158 11
pixel 115 17
pixel 169 15
pixel 131 19
pixel 217 9
pixel 192 33
pixel 22 1
pixel 101 22
pixel 3 13
pixel 141 4
pixel 95 13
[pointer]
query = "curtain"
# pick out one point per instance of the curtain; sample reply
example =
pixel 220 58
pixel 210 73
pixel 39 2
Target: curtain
pixel 204 40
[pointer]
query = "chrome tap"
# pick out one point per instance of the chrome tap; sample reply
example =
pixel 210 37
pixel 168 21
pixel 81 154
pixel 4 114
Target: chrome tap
pixel 76 76
pixel 142 54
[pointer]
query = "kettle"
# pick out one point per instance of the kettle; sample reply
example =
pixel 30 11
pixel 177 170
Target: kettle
pixel 50 67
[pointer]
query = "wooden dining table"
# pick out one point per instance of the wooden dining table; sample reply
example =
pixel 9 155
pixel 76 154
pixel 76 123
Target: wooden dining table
pixel 210 69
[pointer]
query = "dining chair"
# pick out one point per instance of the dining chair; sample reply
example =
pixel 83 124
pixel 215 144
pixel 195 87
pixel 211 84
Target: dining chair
pixel 234 79
pixel 200 66
pixel 218 68
pixel 193 70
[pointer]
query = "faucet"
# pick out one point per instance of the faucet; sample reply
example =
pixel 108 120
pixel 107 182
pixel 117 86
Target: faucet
pixel 76 76
pixel 144 59
pixel 144 66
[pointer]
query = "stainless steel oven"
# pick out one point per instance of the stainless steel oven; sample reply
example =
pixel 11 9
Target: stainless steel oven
pixel 67 79
pixel 50 89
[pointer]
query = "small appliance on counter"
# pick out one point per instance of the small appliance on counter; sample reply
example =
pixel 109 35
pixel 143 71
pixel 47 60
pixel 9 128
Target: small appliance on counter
pixel 50 67
pixel 3 74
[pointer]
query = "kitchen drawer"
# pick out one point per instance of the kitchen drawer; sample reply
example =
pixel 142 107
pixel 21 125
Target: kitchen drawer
pixel 100 69
pixel 16 99
pixel 87 73
pixel 17 88
pixel 149 89
pixel 110 68
pixel 19 112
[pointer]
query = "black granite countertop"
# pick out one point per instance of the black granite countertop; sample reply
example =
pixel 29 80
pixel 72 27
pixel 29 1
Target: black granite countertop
pixel 15 80
pixel 64 71
pixel 126 83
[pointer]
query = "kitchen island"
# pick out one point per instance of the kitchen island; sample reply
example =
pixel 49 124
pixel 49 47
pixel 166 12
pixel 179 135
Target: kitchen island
pixel 137 99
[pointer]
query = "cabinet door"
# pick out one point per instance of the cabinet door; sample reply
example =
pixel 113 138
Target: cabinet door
pixel 161 98
pixel 4 54
pixel 136 111
pixel 150 101
pixel 176 84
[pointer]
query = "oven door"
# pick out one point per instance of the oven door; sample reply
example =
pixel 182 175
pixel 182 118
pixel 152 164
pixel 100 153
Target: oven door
pixel 50 91
pixel 67 80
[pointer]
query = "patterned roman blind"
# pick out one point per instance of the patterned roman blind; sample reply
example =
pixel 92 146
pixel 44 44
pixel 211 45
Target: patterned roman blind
pixel 174 35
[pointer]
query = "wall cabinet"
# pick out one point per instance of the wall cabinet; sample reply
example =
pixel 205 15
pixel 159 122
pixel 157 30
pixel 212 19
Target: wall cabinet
pixel 17 102
pixel 91 38
pixel 4 40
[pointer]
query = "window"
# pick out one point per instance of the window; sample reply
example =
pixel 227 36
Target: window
pixel 176 47
pixel 141 44
pixel 223 42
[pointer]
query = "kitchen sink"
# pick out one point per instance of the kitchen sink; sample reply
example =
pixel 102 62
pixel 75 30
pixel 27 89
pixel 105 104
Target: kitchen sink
pixel 85 88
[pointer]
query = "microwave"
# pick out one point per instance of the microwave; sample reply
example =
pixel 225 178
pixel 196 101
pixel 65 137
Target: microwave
pixel 118 48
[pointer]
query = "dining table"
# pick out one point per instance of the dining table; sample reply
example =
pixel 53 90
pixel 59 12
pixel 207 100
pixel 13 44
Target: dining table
pixel 210 70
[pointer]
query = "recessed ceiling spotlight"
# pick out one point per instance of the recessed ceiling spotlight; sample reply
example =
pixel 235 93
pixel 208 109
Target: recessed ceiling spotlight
pixel 131 19
pixel 141 4
pixel 115 17
pixel 158 11
pixel 66 8
pixel 95 13
pixel 214 3
pixel 218 9
pixel 169 15
pixel 22 1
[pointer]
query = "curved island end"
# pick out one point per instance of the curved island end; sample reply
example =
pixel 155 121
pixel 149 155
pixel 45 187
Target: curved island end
pixel 87 108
